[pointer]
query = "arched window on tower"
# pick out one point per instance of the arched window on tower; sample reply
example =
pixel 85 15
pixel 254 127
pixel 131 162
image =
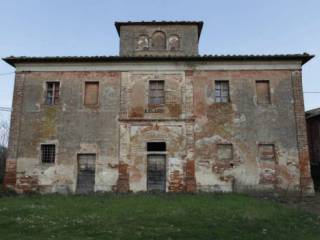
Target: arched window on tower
pixel 143 43
pixel 159 40
pixel 173 43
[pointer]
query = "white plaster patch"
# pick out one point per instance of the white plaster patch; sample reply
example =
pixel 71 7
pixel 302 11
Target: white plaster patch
pixel 210 140
pixel 240 119
pixel 105 178
pixel 175 164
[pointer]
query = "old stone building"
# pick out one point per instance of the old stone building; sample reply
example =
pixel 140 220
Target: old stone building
pixel 158 117
pixel 313 132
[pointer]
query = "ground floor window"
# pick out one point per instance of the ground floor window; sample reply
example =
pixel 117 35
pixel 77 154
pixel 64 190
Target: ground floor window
pixel 48 153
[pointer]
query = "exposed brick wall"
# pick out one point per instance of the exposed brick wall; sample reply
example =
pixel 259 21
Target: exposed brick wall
pixel 191 124
pixel 190 179
pixel 306 184
pixel 245 124
pixel 176 182
pixel 11 164
pixel 123 179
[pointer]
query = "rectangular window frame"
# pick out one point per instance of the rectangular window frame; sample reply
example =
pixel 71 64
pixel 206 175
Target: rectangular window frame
pixel 52 87
pixel 259 99
pixel 160 91
pixel 51 155
pixel 222 91
pixel 85 92
pixel 220 145
pixel 267 159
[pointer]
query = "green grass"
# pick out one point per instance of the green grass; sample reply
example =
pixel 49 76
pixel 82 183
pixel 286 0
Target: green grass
pixel 149 217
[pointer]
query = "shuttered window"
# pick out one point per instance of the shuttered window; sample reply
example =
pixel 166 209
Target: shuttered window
pixel 263 92
pixel 91 96
pixel 221 91
pixel 53 92
pixel 266 152
pixel 156 92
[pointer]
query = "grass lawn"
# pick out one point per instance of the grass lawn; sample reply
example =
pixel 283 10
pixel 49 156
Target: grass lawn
pixel 149 217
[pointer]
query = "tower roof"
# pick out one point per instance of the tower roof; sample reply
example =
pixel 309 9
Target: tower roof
pixel 198 23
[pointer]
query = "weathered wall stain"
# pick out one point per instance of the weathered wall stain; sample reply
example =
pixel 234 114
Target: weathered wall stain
pixel 192 157
pixel 210 145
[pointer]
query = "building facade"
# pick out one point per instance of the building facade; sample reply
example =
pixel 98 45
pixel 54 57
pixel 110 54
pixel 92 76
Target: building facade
pixel 158 117
pixel 313 132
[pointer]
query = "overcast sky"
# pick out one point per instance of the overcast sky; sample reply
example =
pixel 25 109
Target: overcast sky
pixel 86 27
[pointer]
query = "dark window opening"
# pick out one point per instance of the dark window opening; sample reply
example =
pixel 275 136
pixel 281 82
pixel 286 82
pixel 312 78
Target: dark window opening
pixel 156 146
pixel 222 91
pixel 53 91
pixel 48 153
pixel 156 92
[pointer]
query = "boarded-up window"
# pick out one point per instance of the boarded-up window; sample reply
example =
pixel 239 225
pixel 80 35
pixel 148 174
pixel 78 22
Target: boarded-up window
pixel 221 91
pixel 48 153
pixel 159 40
pixel 266 152
pixel 156 92
pixel 225 152
pixel 263 92
pixel 91 95
pixel 53 92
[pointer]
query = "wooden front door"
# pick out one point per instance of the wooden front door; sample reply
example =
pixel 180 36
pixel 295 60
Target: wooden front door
pixel 156 172
pixel 86 173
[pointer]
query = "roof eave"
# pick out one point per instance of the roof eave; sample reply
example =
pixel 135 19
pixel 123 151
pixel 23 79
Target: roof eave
pixel 303 58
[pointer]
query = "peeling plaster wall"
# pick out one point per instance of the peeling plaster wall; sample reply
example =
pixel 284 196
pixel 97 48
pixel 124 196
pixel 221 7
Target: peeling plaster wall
pixel 170 123
pixel 73 127
pixel 136 154
pixel 245 124
pixel 190 122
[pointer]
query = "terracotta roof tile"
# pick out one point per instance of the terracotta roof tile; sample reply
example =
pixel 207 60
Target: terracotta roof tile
pixel 12 60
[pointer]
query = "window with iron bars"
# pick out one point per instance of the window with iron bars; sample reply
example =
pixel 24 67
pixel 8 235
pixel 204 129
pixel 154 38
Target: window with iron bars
pixel 221 91
pixel 156 92
pixel 53 92
pixel 48 153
